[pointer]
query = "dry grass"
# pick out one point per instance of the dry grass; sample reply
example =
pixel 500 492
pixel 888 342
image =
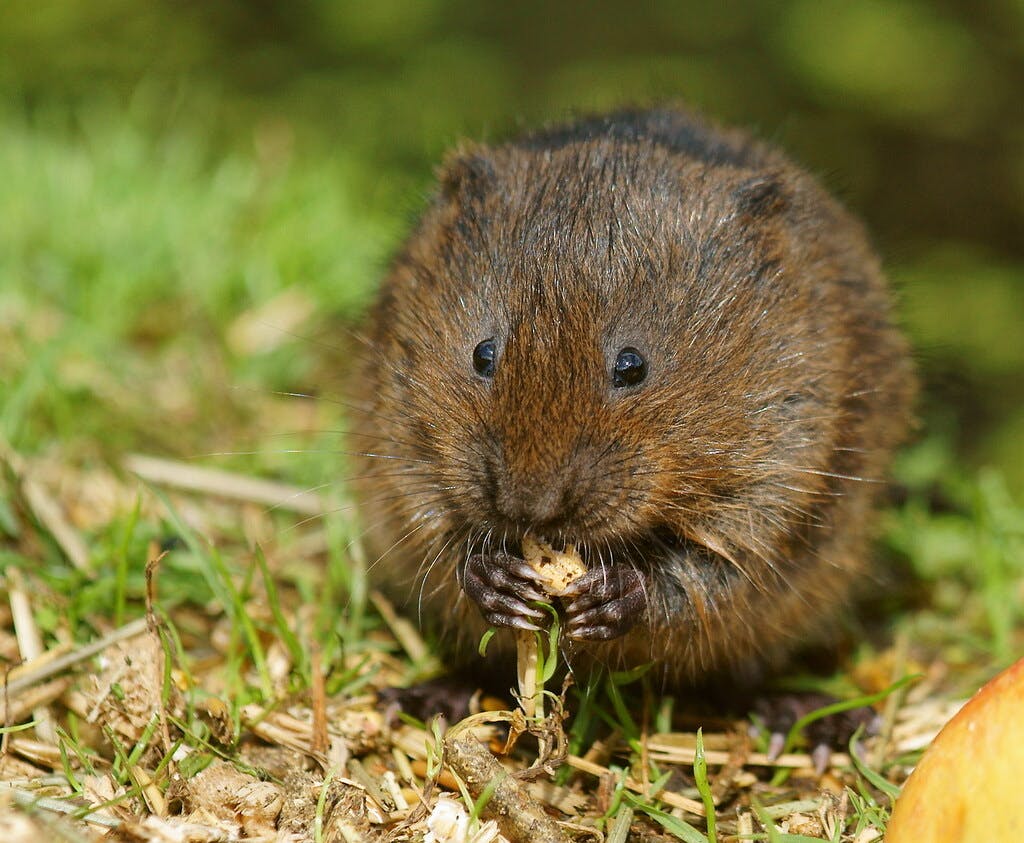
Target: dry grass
pixel 233 719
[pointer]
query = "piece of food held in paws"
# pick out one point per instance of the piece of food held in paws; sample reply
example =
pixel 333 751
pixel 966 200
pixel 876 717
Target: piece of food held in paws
pixel 555 571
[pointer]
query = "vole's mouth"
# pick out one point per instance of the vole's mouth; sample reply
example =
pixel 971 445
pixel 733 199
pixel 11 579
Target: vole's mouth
pixel 490 544
pixel 602 552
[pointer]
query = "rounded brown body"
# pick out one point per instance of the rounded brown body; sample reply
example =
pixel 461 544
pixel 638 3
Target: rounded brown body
pixel 734 481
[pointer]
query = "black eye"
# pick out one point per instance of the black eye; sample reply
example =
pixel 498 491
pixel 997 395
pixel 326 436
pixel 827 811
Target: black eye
pixel 630 368
pixel 483 358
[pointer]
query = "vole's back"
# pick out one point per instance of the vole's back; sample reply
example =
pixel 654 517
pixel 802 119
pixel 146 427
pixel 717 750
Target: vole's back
pixel 651 338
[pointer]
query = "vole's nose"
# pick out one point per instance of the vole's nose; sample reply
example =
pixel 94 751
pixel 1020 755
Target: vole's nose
pixel 543 498
pixel 550 503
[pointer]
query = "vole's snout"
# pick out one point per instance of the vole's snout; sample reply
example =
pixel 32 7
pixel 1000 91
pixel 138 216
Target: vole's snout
pixel 549 497
pixel 550 504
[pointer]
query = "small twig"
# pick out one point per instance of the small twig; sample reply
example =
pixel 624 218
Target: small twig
pixel 666 796
pixel 319 741
pixel 148 790
pixel 662 747
pixel 893 702
pixel 154 627
pixel 404 631
pixel 30 644
pixel 619 830
pixel 41 695
pixel 47 510
pixel 27 799
pixel 517 815
pixel 27 675
pixel 51 516
pixel 39 753
pixel 279 727
pixel 371 784
pixel 225 484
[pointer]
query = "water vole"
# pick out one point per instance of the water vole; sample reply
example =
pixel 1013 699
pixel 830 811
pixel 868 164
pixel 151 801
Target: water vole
pixel 649 337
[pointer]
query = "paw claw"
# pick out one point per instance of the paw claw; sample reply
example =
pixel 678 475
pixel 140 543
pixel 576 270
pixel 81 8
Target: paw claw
pixel 579 632
pixel 514 621
pixel 821 755
pixel 525 571
pixel 502 595
pixel 604 604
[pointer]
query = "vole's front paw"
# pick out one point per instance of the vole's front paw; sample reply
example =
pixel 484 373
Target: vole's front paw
pixel 604 604
pixel 503 586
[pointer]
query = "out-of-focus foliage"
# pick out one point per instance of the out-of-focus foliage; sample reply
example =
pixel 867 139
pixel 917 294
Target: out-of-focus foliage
pixel 167 164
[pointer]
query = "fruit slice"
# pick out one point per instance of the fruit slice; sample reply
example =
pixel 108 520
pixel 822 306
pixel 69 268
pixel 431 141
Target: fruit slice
pixel 968 784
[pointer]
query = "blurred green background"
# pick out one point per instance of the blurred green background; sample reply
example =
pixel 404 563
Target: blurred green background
pixel 167 167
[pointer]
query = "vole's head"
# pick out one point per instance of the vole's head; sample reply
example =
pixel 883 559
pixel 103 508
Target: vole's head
pixel 587 342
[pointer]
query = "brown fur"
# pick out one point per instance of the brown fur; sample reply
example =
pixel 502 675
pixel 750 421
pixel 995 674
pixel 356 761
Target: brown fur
pixel 738 478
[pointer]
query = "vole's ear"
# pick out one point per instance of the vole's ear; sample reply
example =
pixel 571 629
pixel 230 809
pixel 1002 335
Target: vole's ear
pixel 761 196
pixel 466 171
